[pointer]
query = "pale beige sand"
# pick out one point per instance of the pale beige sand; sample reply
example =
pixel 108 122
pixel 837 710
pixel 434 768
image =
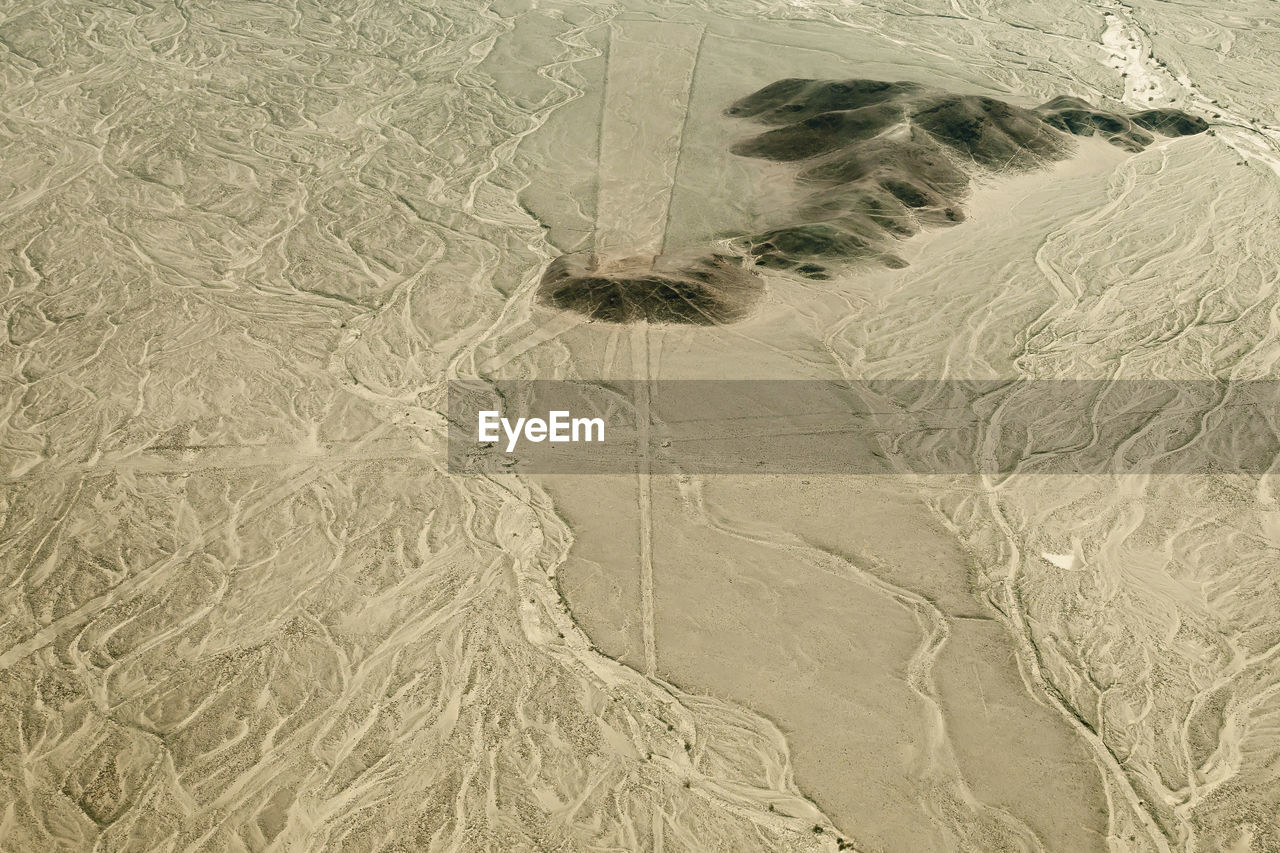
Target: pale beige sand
pixel 243 608
pixel 962 306
pixel 601 573
pixel 841 609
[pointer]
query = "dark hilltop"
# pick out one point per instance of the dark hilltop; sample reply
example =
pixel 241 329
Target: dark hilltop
pixel 886 159
pixel 701 289
pixel 880 160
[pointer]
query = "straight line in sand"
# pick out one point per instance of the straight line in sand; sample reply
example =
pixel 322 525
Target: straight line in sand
pixel 646 103
pixel 640 364
pixel 648 82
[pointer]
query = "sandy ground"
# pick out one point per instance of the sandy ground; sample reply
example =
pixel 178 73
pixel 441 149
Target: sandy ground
pixel 245 606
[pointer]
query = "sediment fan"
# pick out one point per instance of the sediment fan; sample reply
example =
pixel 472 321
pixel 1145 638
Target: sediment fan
pixel 882 159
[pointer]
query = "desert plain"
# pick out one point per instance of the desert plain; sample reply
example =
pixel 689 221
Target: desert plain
pixel 249 605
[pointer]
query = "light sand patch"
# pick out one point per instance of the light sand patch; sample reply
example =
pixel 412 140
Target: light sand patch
pixel 818 602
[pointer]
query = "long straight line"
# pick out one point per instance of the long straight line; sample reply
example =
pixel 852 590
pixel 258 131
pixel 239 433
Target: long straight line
pixel 649 70
pixel 688 108
pixel 604 108
pixel 640 363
